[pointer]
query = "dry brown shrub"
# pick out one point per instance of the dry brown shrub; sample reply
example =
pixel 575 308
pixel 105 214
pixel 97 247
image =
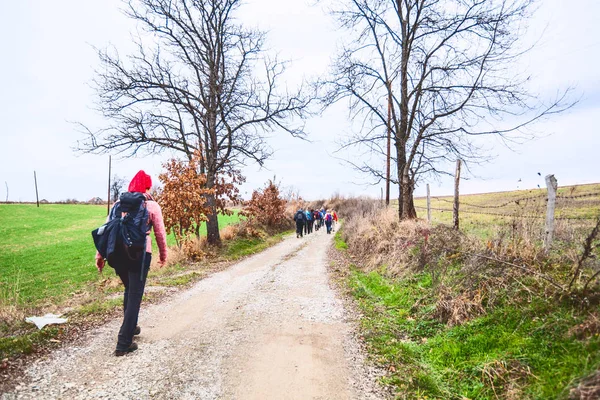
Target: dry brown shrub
pixel 267 207
pixel 248 229
pixel 378 238
pixel 455 309
pixel 229 232
pixel 195 249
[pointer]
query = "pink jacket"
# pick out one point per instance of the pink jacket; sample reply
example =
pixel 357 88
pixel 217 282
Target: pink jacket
pixel 157 223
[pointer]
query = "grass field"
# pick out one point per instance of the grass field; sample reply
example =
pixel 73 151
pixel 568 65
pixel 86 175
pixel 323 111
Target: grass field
pixel 482 213
pixel 47 253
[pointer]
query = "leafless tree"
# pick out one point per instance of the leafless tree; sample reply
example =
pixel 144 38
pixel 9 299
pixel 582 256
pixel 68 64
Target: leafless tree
pixel 449 70
pixel 116 187
pixel 198 81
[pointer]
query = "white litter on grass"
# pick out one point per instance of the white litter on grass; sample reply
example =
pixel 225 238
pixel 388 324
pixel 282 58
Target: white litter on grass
pixel 47 319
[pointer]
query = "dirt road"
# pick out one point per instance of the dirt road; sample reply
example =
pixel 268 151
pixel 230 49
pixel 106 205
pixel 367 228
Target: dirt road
pixel 269 327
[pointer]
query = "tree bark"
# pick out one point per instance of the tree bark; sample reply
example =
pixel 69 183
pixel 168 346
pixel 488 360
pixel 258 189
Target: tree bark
pixel 212 224
pixel 408 186
pixel 401 154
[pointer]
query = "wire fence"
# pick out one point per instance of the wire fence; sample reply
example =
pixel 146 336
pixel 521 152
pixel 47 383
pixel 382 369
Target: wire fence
pixel 573 207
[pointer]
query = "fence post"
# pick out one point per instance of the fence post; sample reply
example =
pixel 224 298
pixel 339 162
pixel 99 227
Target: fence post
pixel 428 205
pixel 552 186
pixel 37 197
pixel 456 182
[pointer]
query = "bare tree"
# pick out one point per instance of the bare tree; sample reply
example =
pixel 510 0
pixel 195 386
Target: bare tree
pixel 116 187
pixel 448 68
pixel 198 81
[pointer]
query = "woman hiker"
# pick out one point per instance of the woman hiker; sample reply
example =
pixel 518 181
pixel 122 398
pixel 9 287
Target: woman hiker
pixel 130 272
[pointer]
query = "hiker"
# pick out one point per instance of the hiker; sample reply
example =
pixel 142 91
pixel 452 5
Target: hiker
pixel 300 218
pixel 130 271
pixel 316 219
pixel 335 219
pixel 328 221
pixel 309 222
pixel 322 214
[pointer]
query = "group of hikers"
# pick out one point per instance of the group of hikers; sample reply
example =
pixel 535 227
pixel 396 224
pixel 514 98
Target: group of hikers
pixel 307 220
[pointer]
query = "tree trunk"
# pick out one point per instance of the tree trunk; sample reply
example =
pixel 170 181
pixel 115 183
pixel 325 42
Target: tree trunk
pixel 408 205
pixel 400 164
pixel 212 225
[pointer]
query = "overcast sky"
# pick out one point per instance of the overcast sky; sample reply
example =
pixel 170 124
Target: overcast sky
pixel 48 63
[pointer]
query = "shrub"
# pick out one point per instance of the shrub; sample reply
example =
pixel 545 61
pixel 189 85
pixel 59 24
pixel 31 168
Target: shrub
pixel 267 207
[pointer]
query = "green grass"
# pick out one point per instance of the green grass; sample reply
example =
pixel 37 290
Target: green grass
pixel 47 253
pixel 241 247
pixel 101 306
pixel 178 280
pixel 339 242
pixel 531 340
pixel 26 344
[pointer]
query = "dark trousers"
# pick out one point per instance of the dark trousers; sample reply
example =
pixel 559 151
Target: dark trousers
pixel 328 225
pixel 299 228
pixel 132 299
pixel 308 227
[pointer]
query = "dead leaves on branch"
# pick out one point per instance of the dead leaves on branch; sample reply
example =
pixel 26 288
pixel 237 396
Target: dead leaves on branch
pixel 186 195
pixel 267 206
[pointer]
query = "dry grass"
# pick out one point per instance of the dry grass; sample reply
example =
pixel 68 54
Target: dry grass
pixel 510 260
pixel 456 309
pixel 588 389
pixel 506 378
pixel 229 232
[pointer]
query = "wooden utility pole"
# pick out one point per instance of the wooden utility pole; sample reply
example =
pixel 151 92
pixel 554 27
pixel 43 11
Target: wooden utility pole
pixel 389 146
pixel 456 202
pixel 428 205
pixel 108 202
pixel 37 198
pixel 552 186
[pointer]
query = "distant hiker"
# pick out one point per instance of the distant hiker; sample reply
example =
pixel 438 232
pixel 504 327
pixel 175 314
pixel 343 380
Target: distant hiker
pixel 335 219
pixel 309 222
pixel 328 221
pixel 316 219
pixel 135 205
pixel 322 214
pixel 300 218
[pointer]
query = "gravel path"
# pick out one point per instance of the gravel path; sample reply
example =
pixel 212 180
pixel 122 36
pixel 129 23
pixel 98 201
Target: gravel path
pixel 269 327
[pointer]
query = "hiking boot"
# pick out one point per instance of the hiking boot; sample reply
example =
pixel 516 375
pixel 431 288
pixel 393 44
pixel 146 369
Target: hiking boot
pixel 137 331
pixel 132 347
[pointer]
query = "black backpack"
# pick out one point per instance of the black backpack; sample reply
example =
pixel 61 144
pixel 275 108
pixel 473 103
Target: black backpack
pixel 122 240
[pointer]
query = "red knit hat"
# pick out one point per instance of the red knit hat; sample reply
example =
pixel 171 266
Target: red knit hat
pixel 140 182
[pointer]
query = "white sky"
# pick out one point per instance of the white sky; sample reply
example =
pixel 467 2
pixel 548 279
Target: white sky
pixel 47 64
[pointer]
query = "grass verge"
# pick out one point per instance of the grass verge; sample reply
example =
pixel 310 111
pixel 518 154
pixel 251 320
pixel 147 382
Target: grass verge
pixel 520 349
